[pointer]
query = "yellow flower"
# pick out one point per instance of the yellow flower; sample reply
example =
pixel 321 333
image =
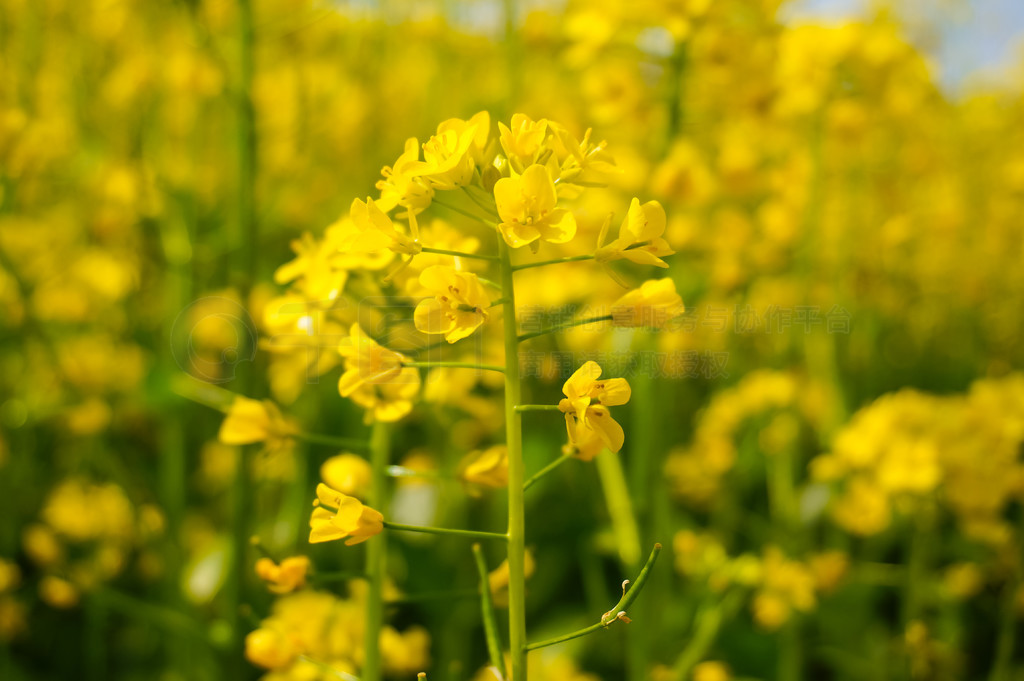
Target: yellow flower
pixel 459 305
pixel 405 652
pixel 488 467
pixel 250 421
pixel 269 648
pixel 10 576
pixel 652 305
pixel 449 155
pixel 711 671
pixel 350 518
pixel 58 593
pixel 289 576
pixel 586 406
pixel 375 231
pixel 585 449
pixel 523 141
pixel 640 237
pixel 402 185
pixel 367 362
pixel 526 205
pixel 388 402
pixel 347 473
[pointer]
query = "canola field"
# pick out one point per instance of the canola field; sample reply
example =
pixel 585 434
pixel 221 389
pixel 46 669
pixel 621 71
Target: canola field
pixel 666 340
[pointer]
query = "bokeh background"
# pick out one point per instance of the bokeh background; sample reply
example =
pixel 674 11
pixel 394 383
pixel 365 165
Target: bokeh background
pixel 827 443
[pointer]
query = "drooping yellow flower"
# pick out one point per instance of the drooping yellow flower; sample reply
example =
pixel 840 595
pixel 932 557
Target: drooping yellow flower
pixel 459 305
pixel 366 362
pixel 289 576
pixel 348 473
pixel 488 467
pixel 652 305
pixel 250 421
pixel 586 405
pixel 527 208
pixel 376 231
pixel 402 184
pixel 350 518
pixel 640 237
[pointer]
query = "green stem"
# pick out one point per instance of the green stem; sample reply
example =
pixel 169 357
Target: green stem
pixel 567 325
pixel 556 261
pixel 487 611
pixel 1002 666
pixel 332 441
pixel 709 622
pixel 454 365
pixel 489 209
pixel 459 254
pixel 342 576
pixel 544 471
pixel 537 407
pixel 403 472
pixel 516 503
pixel 456 209
pixel 426 529
pixel 620 507
pixel 612 615
pixel 376 555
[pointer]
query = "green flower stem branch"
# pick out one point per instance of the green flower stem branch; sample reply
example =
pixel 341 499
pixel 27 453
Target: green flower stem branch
pixel 707 622
pixel 516 504
pixel 454 365
pixel 556 261
pixel 487 611
pixel 426 529
pixel 486 220
pixel 616 613
pixel 544 471
pixel 459 254
pixel 376 556
pixel 537 407
pixel 567 325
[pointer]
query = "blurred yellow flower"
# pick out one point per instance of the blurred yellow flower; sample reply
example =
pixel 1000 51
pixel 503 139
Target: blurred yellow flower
pixel 348 473
pixel 250 421
pixel 652 305
pixel 586 405
pixel 269 648
pixel 459 305
pixel 58 593
pixel 528 212
pixel 350 518
pixel 405 652
pixel 289 576
pixel 488 467
pixel 366 362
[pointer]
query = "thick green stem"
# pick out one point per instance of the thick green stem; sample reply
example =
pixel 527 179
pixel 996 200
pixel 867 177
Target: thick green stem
pixel 487 611
pixel 612 615
pixel 514 444
pixel 620 508
pixel 426 529
pixel 376 554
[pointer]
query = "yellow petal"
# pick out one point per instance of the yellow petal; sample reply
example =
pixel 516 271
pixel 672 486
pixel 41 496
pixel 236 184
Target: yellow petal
pixel 601 422
pixel 579 383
